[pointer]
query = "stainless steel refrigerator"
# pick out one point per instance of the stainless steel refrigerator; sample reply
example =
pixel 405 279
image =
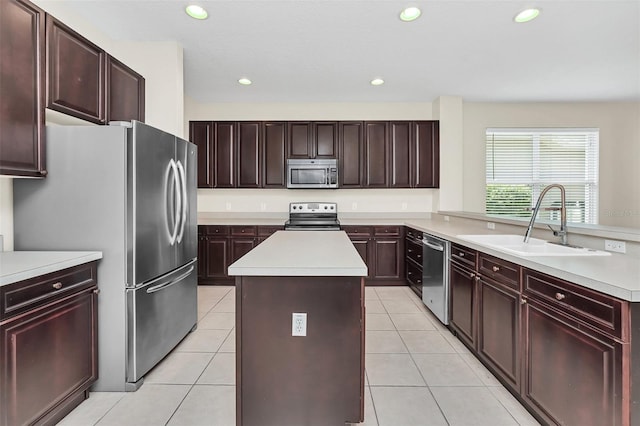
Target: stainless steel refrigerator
pixel 128 190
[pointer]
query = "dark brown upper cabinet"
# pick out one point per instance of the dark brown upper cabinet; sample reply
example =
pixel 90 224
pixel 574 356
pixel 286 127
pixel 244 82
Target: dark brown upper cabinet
pixel 274 149
pixel 249 151
pixel 371 154
pixel 85 82
pixel 125 95
pixel 223 161
pixel 201 134
pixel 376 154
pixel 317 139
pixel 400 150
pixel 22 88
pixel 75 73
pixel 350 154
pixel 426 135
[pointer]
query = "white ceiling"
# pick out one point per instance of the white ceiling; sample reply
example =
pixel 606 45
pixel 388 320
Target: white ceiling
pixel 329 50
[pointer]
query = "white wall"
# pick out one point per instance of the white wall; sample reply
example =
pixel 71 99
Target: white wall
pixel 272 200
pixel 619 125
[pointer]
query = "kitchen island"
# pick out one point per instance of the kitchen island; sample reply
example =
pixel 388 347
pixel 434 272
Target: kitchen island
pixel 317 375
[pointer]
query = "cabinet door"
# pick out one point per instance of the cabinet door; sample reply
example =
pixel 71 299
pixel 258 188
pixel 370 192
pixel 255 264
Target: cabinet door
pixel 499 330
pixel 22 86
pixel 76 73
pixel 400 153
pixel 240 247
pixel 202 257
pixel 201 133
pixel 376 155
pixel 576 379
pixel 389 256
pixel 217 257
pixel 125 92
pixel 223 165
pixel 248 154
pixel 299 140
pixel 273 175
pixel 47 354
pixel 427 154
pixel 325 140
pixel 350 154
pixel 363 245
pixel 462 283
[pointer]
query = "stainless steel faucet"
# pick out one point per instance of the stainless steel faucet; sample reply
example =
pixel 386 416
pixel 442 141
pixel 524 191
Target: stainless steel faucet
pixel 562 233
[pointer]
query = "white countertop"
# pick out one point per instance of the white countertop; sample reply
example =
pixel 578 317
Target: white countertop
pixel 617 275
pixel 21 265
pixel 302 253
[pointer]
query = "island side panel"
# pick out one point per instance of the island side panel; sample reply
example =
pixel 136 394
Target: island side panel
pixel 317 379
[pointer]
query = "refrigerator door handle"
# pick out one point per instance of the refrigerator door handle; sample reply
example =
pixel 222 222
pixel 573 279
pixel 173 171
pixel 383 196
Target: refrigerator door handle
pixel 178 202
pixel 183 190
pixel 160 287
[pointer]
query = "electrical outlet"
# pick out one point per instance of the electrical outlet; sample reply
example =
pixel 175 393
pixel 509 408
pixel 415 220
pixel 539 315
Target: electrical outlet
pixel 403 206
pixel 491 225
pixel 263 206
pixel 354 206
pixel 299 324
pixel 617 246
pixel 228 205
pixel 446 218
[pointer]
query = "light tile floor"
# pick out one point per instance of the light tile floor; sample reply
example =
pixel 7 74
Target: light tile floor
pixel 417 373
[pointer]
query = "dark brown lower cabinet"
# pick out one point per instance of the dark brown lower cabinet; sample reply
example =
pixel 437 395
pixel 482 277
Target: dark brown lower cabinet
pixel 382 249
pixel 462 290
pixel 563 350
pixel 48 351
pixel 573 374
pixel 221 245
pixel 499 330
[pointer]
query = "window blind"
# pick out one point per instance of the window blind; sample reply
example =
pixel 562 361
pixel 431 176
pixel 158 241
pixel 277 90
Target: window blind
pixel 521 162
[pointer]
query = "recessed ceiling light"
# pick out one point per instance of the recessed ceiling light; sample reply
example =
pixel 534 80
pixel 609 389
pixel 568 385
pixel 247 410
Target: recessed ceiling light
pixel 196 12
pixel 377 82
pixel 244 81
pixel 527 15
pixel 410 14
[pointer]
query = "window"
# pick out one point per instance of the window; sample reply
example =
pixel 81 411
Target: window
pixel 521 162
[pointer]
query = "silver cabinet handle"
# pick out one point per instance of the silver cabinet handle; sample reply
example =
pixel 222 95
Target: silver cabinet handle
pixel 495 268
pixel 57 285
pixel 560 296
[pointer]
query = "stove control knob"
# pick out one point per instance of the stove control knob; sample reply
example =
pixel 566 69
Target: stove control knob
pixel 325 207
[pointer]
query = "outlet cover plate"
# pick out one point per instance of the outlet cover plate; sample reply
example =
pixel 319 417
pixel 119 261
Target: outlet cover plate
pixel 299 324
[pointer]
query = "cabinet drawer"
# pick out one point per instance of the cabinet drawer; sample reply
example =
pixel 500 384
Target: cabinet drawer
pixel 387 231
pixel 414 274
pixel 357 230
pixel 243 231
pixel 265 231
pixel 499 270
pixel 413 234
pixel 599 310
pixel 414 252
pixel 464 255
pixel 28 294
pixel 216 230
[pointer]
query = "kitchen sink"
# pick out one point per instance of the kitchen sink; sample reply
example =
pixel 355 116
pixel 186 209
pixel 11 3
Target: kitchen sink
pixel 534 247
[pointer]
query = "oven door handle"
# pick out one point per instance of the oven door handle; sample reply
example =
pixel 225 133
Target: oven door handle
pixel 433 246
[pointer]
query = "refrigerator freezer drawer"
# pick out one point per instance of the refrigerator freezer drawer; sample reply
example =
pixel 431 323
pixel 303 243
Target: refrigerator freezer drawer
pixel 159 315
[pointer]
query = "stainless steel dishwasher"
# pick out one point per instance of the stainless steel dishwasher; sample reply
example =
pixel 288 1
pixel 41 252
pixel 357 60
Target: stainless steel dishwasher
pixel 435 276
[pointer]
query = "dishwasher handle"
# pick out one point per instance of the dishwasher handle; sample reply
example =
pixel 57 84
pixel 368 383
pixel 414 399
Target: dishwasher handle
pixel 432 245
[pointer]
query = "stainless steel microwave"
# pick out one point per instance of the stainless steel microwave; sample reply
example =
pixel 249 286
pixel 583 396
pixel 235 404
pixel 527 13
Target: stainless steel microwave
pixel 316 173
